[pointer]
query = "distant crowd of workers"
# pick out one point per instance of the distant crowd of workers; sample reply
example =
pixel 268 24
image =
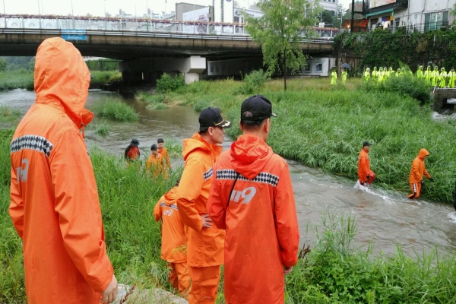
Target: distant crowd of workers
pixel 433 77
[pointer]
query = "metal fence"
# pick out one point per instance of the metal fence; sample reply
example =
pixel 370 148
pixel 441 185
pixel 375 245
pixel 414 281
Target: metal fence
pixel 135 26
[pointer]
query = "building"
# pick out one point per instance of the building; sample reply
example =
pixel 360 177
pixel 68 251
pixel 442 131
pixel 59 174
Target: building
pixel 329 5
pixel 421 15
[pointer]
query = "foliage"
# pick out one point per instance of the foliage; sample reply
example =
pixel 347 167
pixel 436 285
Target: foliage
pixel 8 115
pixel 2 64
pixel 323 127
pixel 384 48
pixel 333 272
pixel 101 78
pixel 18 79
pixel 254 81
pixel 103 65
pixel 166 83
pixel 279 32
pixel 115 109
pixel 20 62
pixel 12 288
pixel 156 101
pixel 102 129
pixel 404 84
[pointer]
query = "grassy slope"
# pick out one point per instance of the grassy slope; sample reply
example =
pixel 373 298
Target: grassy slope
pixel 325 127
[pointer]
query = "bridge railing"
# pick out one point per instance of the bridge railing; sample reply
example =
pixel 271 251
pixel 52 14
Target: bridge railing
pixel 135 26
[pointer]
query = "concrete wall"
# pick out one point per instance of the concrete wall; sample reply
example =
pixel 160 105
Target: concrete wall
pixel 234 67
pixel 150 69
pixel 319 66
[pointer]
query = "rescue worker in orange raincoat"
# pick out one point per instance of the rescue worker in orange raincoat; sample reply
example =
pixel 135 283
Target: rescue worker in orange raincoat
pixel 365 175
pixel 132 152
pixel 164 153
pixel 205 241
pixel 416 174
pixel 54 201
pixel 154 163
pixel 252 198
pixel 173 240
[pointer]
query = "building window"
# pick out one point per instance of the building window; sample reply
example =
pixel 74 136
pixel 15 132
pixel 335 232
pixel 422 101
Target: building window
pixel 434 21
pixel 319 67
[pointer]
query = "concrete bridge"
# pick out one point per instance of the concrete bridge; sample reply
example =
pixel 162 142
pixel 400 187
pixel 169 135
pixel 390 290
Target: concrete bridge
pixel 147 47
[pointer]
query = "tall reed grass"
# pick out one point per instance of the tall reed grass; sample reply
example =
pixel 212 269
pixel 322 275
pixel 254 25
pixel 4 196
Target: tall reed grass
pixel 335 272
pixel 325 127
pixel 114 109
pixel 17 79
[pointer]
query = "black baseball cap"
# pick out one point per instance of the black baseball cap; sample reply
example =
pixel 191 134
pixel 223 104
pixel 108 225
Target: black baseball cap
pixel 211 117
pixel 366 143
pixel 256 108
pixel 134 142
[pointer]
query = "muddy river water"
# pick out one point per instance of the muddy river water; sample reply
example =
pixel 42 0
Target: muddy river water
pixel 385 218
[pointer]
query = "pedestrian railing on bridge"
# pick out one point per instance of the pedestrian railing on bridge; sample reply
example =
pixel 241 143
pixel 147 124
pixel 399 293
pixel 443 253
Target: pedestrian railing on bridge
pixel 146 27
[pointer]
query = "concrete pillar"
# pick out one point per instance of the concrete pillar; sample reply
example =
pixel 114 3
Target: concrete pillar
pixel 135 70
pixel 191 77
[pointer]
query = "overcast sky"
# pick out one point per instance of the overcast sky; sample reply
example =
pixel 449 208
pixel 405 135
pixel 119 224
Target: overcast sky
pixel 98 7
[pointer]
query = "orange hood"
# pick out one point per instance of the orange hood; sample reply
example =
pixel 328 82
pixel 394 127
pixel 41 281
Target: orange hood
pixel 250 154
pixel 62 79
pixel 170 196
pixel 423 153
pixel 196 142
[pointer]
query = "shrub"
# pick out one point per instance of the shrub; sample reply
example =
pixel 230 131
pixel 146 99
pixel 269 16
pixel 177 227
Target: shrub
pixel 166 83
pixel 254 81
pixel 102 129
pixel 115 109
pixel 6 114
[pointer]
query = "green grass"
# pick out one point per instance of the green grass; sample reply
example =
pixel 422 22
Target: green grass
pixel 335 272
pixel 317 125
pixel 104 77
pixel 102 129
pixel 114 109
pixel 17 79
pixel 9 115
pixel 324 127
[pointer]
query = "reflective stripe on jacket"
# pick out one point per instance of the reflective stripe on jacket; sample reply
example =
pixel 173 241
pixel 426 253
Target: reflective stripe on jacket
pixel 54 201
pixel 419 168
pixel 173 232
pixel 262 234
pixel 205 245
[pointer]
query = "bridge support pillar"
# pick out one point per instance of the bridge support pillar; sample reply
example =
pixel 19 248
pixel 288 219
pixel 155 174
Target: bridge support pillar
pixel 148 69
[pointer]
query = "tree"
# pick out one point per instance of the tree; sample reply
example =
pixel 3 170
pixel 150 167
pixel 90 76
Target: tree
pixel 280 30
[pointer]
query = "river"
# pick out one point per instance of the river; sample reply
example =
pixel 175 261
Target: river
pixel 384 218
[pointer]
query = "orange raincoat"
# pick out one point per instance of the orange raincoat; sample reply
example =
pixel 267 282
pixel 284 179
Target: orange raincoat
pixel 173 240
pixel 165 157
pixel 364 168
pixel 155 165
pixel 205 245
pixel 416 173
pixel 262 235
pixel 54 201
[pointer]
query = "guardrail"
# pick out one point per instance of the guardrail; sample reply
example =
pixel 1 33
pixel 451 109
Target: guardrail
pixel 137 26
pixel 58 32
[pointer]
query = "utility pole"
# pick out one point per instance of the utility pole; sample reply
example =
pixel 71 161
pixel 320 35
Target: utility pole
pixel 353 15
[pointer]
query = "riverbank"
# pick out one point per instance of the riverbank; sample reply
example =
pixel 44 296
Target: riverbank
pixel 23 79
pixel 333 272
pixel 325 127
